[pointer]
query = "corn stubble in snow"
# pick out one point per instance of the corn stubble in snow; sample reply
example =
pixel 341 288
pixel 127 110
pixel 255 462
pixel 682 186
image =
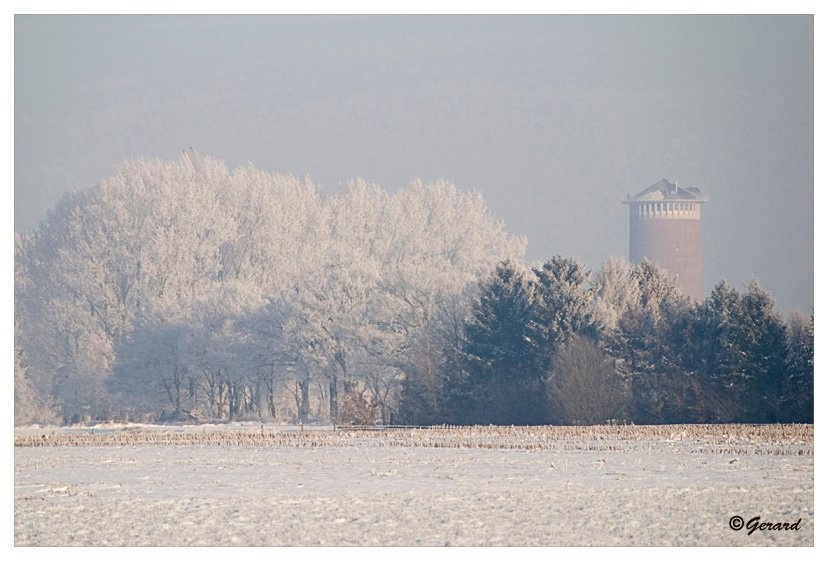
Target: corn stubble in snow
pixel 722 439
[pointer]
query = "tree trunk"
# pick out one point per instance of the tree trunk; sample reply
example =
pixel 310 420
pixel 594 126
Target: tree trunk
pixel 271 401
pixel 304 400
pixel 333 399
pixel 221 399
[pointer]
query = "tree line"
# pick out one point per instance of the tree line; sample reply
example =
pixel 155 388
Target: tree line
pixel 181 289
pixel 177 288
pixel 549 344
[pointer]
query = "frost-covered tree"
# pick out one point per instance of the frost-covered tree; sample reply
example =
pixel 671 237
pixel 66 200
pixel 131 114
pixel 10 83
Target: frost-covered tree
pixel 437 356
pixel 617 293
pixel 131 245
pixel 31 401
pixel 273 357
pixel 30 405
pixel 154 371
pixel 351 283
pixel 391 260
pixel 444 242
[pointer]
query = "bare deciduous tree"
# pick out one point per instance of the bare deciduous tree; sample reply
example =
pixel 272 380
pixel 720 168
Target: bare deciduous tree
pixel 584 387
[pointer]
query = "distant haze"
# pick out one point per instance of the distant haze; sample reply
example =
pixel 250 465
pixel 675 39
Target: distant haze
pixel 553 118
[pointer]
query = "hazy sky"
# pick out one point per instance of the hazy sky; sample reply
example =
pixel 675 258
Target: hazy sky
pixel 553 118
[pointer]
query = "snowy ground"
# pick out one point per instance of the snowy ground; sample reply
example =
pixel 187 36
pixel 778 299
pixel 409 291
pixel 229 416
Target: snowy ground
pixel 357 489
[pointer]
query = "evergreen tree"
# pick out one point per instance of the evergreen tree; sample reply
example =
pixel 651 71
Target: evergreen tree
pixel 735 348
pixel 497 382
pixel 560 308
pixel 720 361
pixel 797 402
pixel 643 345
pixel 759 332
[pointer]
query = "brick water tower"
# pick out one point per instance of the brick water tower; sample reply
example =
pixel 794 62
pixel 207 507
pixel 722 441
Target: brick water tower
pixel 665 227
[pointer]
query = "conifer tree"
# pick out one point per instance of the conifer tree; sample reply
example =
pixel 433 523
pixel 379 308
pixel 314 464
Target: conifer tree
pixel 560 308
pixel 497 382
pixel 797 403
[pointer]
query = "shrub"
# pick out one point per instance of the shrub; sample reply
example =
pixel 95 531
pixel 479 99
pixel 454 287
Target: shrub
pixel 356 409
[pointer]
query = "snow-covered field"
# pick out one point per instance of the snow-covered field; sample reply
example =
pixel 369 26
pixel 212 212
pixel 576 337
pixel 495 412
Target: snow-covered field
pixel 246 484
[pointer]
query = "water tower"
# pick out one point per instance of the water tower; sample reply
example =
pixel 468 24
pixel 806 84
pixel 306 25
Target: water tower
pixel 665 227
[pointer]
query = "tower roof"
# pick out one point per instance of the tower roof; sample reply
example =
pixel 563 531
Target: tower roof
pixel 664 190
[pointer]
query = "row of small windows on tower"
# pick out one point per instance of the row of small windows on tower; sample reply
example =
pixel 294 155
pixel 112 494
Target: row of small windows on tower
pixel 673 209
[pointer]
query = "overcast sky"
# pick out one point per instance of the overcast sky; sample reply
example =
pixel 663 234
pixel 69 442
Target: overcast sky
pixel 553 118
